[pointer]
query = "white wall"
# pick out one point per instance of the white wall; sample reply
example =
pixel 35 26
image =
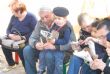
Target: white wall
pixel 74 6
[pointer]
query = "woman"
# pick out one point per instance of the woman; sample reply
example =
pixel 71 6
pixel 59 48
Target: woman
pixel 22 21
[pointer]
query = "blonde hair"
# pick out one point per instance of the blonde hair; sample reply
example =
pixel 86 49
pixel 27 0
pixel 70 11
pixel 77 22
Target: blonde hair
pixel 84 17
pixel 18 6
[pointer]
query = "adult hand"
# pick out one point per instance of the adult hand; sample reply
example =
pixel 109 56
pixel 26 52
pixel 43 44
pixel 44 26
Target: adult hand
pixel 39 46
pixel 80 42
pixel 98 64
pixel 87 40
pixel 14 37
pixel 108 51
pixel 49 46
pixel 92 66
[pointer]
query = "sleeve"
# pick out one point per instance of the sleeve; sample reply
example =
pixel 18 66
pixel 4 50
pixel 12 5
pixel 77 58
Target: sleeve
pixel 9 26
pixel 72 36
pixel 35 36
pixel 65 39
pixel 33 22
pixel 106 70
pixel 57 47
pixel 27 36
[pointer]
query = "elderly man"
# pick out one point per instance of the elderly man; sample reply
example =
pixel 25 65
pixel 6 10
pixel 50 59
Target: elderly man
pixel 36 41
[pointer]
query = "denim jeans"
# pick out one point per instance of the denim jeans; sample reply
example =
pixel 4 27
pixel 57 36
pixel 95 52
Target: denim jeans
pixel 59 57
pixel 76 63
pixel 42 61
pixel 86 70
pixel 53 60
pixel 46 59
pixel 30 56
pixel 74 66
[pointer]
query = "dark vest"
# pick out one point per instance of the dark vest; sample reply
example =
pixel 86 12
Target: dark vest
pixel 61 31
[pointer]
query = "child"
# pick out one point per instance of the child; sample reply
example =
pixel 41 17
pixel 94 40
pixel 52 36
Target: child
pixel 59 35
pixel 88 53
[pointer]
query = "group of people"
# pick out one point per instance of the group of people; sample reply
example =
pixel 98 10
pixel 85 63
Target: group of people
pixel 96 31
pixel 49 38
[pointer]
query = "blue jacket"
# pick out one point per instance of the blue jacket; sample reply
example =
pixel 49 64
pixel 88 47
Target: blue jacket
pixel 64 34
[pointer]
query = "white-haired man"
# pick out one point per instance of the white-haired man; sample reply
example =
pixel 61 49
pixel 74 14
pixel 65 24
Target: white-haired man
pixel 36 42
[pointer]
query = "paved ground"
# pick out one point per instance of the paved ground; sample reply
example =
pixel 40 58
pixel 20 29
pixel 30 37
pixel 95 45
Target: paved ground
pixel 18 70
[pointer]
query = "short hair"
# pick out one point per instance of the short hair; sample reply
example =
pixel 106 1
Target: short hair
pixel 104 23
pixel 18 6
pixel 43 9
pixel 96 22
pixel 81 18
pixel 85 17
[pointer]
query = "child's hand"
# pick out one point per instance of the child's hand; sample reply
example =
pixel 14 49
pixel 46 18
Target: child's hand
pixel 75 46
pixel 52 41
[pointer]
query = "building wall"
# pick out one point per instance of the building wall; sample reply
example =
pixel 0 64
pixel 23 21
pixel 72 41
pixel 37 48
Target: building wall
pixel 96 8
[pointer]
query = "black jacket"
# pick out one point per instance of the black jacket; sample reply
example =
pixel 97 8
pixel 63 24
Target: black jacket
pixel 107 70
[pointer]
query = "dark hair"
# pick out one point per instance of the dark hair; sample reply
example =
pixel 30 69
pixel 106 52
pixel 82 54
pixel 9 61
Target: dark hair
pixel 104 23
pixel 96 22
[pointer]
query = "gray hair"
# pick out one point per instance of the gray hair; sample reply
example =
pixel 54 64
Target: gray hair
pixel 84 17
pixel 43 9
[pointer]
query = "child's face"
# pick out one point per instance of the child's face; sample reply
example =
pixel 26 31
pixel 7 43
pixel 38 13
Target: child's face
pixel 60 21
